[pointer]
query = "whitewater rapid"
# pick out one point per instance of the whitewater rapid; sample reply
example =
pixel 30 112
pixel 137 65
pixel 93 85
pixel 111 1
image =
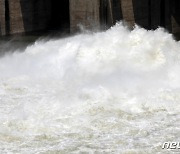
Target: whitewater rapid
pixel 116 91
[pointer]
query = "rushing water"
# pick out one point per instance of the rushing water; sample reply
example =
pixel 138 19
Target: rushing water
pixel 109 92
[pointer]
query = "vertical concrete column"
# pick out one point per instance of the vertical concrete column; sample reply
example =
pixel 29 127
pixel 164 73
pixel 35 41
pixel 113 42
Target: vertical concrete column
pixel 16 19
pixel 127 11
pixel 84 12
pixel 2 18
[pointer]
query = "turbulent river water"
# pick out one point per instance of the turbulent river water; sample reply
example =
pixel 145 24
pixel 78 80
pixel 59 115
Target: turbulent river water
pixel 107 92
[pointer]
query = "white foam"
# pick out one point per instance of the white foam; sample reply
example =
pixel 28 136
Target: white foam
pixel 89 84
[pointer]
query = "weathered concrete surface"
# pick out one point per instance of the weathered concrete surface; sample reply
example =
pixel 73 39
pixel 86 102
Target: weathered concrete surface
pixel 17 16
pixel 127 11
pixel 84 12
pixel 2 18
pixel 24 16
pixel 16 19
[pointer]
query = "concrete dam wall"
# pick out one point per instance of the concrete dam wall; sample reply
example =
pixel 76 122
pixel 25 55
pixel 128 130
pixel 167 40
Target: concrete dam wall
pixel 21 16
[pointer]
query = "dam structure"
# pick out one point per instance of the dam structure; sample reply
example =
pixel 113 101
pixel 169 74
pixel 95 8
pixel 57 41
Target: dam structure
pixel 22 16
pixel 99 88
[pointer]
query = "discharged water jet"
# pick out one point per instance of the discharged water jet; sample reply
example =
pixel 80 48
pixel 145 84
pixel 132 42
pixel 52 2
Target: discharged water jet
pixel 115 91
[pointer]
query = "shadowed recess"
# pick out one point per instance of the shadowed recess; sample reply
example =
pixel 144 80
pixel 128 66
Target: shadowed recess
pixel 45 15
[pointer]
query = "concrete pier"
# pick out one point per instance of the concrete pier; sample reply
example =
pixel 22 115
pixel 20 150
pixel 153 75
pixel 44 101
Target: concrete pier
pixel 15 17
pixel 2 18
pixel 127 11
pixel 21 16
